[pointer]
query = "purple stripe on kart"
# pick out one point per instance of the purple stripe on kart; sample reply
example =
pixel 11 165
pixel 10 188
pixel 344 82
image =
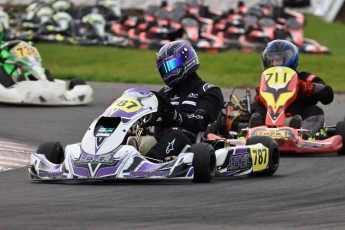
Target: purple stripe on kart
pixel 229 173
pixel 148 167
pixel 123 114
pixel 107 171
pixel 80 171
pixel 240 150
pixel 190 172
pixel 145 169
pixel 142 91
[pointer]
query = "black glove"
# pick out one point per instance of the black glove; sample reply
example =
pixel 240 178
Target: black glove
pixel 170 116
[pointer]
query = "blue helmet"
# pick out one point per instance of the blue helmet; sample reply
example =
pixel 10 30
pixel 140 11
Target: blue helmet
pixel 175 61
pixel 280 53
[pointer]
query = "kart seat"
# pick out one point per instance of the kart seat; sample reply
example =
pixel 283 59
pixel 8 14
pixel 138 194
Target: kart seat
pixel 144 145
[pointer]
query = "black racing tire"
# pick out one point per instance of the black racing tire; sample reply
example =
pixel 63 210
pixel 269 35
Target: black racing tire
pixel 274 154
pixel 49 75
pixel 75 82
pixel 204 162
pixel 53 151
pixel 5 79
pixel 221 122
pixel 340 130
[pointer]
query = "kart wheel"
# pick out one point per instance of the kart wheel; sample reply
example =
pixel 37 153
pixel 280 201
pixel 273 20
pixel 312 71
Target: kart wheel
pixel 75 82
pixel 204 162
pixel 274 154
pixel 340 130
pixel 5 79
pixel 221 122
pixel 53 151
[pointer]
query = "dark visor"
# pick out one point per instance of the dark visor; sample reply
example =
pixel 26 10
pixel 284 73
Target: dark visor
pixel 170 65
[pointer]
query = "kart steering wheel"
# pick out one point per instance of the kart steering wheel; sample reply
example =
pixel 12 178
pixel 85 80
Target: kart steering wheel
pixel 164 106
pixel 10 44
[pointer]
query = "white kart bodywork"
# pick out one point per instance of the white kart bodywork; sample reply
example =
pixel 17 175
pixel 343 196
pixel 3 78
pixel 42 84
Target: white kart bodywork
pixel 44 92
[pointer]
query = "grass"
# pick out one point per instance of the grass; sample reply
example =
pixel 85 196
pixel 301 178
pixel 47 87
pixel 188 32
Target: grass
pixel 226 69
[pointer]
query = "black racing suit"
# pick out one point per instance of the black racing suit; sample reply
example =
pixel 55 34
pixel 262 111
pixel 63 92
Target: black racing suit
pixel 312 115
pixel 198 103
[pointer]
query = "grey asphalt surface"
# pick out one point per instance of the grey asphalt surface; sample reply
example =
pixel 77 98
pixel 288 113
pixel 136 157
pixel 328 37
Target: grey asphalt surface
pixel 305 193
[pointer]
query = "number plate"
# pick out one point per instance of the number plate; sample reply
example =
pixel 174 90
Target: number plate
pixel 24 50
pixel 129 105
pixel 260 158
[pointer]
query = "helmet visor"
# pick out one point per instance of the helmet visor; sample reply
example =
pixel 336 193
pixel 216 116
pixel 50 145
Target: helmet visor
pixel 282 58
pixel 166 66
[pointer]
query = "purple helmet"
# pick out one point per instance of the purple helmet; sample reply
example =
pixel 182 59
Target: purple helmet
pixel 175 61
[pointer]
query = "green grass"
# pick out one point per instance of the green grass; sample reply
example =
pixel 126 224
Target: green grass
pixel 226 69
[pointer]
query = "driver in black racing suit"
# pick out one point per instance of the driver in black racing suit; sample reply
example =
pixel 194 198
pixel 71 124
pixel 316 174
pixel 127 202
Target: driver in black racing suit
pixel 190 103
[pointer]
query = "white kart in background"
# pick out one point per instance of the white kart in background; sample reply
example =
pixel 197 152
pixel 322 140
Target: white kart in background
pixel 23 80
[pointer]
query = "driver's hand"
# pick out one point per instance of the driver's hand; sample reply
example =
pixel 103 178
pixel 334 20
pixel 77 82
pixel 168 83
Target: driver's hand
pixel 167 112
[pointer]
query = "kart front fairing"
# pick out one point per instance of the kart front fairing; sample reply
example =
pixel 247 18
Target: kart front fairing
pixel 109 130
pixel 125 162
pixel 103 154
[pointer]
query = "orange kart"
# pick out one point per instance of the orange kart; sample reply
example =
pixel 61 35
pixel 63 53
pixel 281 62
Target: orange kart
pixel 278 89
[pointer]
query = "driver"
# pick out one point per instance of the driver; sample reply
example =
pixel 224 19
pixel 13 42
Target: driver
pixel 8 71
pixel 191 103
pixel 311 89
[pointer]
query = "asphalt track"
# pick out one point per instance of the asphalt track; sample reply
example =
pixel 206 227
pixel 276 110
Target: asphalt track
pixel 305 193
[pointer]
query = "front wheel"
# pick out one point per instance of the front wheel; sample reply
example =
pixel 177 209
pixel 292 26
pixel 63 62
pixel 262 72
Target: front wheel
pixel 274 154
pixel 204 162
pixel 53 151
pixel 340 130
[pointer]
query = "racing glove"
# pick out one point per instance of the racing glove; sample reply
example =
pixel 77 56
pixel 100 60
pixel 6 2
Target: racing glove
pixel 170 116
pixel 306 87
pixel 257 96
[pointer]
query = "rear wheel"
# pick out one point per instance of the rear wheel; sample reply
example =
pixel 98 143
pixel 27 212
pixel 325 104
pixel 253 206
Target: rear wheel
pixel 53 151
pixel 204 162
pixel 340 130
pixel 274 154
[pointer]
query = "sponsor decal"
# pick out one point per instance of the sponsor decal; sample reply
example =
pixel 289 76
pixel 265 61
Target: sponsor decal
pixel 51 174
pixel 170 147
pixel 174 98
pixel 104 132
pixel 274 133
pixel 199 117
pixel 95 159
pixel 239 162
pixel 189 103
pixel 149 174
pixel 193 95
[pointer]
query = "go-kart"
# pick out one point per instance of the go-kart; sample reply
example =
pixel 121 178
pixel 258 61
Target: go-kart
pixel 90 29
pixel 115 145
pixel 23 80
pixel 278 89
